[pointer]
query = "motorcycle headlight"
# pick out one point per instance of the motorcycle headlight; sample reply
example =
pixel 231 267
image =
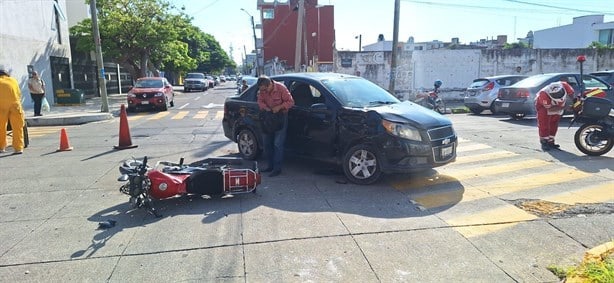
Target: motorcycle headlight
pixel 402 131
pixel 158 94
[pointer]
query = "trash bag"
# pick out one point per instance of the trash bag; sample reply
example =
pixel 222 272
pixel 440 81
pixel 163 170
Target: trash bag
pixel 45 105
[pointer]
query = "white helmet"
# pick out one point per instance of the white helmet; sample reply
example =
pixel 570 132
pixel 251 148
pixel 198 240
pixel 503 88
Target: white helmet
pixel 555 90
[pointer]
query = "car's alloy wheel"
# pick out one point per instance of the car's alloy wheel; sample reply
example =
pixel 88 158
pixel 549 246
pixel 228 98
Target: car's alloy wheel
pixel 360 165
pixel 248 144
pixel 492 109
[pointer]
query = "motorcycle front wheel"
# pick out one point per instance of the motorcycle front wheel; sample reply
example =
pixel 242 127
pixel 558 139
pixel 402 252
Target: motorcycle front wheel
pixel 591 140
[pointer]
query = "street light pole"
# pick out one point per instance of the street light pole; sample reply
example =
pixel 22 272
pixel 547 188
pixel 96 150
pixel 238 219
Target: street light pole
pixel 359 37
pixel 255 42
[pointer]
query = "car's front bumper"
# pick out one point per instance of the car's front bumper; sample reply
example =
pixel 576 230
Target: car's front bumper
pixel 403 156
pixel 154 102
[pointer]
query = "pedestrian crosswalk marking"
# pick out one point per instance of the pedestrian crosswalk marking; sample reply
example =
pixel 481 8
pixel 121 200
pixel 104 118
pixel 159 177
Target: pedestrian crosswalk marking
pixel 158 115
pixel 219 115
pixel 600 193
pixel 201 115
pixel 180 115
pixel 136 117
pixel 477 146
pixel 472 223
pixel 483 157
pixel 447 176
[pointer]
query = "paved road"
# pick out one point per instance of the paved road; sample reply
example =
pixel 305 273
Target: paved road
pixel 471 221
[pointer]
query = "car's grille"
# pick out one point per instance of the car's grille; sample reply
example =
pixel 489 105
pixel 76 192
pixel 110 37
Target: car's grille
pixel 145 95
pixel 440 133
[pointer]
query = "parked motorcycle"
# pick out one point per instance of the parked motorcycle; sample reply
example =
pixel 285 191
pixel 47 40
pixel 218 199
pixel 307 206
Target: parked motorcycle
pixel 211 176
pixel 596 135
pixel 431 100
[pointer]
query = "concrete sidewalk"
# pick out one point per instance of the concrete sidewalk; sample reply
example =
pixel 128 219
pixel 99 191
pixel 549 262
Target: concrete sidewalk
pixel 88 112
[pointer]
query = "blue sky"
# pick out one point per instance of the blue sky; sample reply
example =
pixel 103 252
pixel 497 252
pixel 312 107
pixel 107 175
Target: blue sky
pixel 425 20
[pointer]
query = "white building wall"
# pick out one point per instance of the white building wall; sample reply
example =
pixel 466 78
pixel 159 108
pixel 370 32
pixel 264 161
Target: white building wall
pixel 77 11
pixel 580 34
pixel 28 37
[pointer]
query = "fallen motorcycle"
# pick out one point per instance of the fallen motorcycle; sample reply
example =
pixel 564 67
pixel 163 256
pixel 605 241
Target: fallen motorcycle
pixel 596 135
pixel 211 176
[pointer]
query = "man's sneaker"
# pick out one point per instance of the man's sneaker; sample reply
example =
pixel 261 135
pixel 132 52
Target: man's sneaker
pixel 545 146
pixel 554 145
pixel 2 150
pixel 18 152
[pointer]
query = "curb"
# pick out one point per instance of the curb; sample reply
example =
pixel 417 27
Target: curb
pixel 598 253
pixel 72 119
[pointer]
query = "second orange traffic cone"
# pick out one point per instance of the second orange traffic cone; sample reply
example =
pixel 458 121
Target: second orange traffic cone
pixel 125 141
pixel 64 144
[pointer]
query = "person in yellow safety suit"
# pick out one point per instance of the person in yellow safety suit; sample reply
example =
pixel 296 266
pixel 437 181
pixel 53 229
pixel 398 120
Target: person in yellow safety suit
pixel 11 110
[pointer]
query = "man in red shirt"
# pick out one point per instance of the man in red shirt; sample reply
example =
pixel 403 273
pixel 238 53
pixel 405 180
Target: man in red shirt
pixel 274 97
pixel 550 105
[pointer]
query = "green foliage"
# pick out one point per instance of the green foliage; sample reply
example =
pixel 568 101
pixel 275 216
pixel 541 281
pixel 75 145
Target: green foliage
pixel 150 35
pixel 599 271
pixel 515 45
pixel 600 46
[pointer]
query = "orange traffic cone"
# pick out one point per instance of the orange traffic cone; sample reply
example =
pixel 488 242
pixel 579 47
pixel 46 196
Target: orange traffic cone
pixel 125 141
pixel 64 144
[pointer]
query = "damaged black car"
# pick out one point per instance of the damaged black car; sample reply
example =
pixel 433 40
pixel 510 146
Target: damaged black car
pixel 348 121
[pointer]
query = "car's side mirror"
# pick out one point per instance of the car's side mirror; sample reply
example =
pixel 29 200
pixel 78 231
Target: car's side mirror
pixel 319 107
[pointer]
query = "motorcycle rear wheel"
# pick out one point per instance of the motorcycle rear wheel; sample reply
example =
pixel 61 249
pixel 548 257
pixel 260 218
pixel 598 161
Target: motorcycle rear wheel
pixel 590 141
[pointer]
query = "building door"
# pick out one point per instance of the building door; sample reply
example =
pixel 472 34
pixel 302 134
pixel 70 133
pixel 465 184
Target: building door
pixel 60 74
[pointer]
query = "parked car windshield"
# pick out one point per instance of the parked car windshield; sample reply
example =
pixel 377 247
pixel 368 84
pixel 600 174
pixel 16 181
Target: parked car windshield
pixel 358 92
pixel 148 84
pixel 195 76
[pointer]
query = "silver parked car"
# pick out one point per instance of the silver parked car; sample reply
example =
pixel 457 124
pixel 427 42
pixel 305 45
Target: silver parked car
pixel 483 91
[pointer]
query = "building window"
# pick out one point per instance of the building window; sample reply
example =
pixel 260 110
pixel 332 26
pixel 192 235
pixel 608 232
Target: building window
pixel 268 14
pixel 606 36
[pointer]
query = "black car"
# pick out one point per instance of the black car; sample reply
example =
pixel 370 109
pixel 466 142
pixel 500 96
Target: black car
pixel 518 100
pixel 349 121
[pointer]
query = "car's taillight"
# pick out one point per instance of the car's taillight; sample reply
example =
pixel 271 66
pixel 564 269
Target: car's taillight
pixel 489 86
pixel 500 94
pixel 523 93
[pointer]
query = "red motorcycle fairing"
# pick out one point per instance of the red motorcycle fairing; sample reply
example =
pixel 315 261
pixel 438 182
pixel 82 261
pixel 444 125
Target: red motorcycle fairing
pixel 165 185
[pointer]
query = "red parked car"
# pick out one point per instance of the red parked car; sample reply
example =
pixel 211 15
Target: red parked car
pixel 151 92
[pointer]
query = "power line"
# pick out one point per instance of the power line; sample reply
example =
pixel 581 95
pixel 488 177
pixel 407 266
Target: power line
pixel 565 10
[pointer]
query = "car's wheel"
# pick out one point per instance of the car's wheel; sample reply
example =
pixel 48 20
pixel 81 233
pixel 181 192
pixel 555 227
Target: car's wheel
pixel 492 109
pixel 476 111
pixel 517 116
pixel 360 165
pixel 248 144
pixel 165 106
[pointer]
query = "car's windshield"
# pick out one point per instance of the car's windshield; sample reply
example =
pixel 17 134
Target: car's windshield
pixel 195 76
pixel 358 92
pixel 148 84
pixel 533 81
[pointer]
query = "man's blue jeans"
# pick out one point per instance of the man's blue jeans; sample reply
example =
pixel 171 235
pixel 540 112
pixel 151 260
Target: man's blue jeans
pixel 274 146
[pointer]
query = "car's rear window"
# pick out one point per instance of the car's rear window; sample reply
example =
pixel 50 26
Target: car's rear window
pixel 478 83
pixel 509 81
pixel 533 81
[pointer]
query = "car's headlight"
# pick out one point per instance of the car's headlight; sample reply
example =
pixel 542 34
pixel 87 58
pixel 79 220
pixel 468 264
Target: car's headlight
pixel 131 95
pixel 402 131
pixel 158 94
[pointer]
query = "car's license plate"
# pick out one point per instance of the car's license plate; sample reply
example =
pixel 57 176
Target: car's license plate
pixel 144 102
pixel 446 151
pixel 505 105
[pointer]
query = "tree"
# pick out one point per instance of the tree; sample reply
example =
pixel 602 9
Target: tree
pixel 146 35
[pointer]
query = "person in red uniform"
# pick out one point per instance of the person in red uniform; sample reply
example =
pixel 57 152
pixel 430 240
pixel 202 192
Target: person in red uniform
pixel 550 105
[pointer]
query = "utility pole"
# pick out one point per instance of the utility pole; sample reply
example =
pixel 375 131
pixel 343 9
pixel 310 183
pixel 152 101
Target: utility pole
pixel 299 35
pixel 101 80
pixel 255 42
pixel 395 42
